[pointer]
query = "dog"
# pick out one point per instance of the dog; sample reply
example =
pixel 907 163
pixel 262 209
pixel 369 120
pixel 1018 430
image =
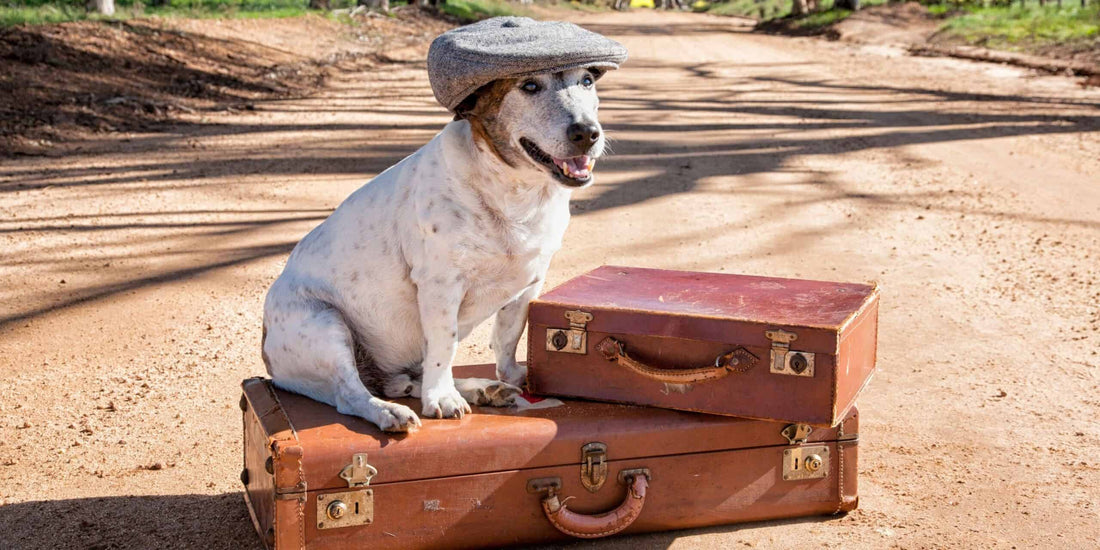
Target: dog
pixel 373 302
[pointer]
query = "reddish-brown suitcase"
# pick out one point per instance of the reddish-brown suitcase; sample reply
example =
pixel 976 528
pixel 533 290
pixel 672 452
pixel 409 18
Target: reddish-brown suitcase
pixel 318 479
pixel 758 347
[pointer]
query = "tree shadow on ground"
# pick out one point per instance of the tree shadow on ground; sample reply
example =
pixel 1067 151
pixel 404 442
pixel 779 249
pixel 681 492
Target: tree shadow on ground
pixel 213 522
pixel 146 521
pixel 742 118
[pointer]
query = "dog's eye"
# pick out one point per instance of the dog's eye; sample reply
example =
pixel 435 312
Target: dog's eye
pixel 587 81
pixel 530 86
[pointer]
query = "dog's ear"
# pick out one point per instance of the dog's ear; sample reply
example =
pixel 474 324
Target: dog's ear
pixel 485 100
pixel 467 105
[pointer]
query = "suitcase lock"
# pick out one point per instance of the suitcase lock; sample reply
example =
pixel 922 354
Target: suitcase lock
pixel 593 466
pixel 573 339
pixel 352 507
pixel 803 461
pixel 785 361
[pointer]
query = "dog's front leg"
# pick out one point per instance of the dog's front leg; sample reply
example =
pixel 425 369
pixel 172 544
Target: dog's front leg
pixel 439 302
pixel 510 321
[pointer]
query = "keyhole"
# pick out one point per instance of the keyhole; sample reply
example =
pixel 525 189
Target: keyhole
pixel 796 464
pixel 799 363
pixel 357 508
pixel 559 340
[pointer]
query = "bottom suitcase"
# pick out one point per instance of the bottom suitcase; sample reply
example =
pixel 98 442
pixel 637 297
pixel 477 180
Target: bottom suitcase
pixel 316 478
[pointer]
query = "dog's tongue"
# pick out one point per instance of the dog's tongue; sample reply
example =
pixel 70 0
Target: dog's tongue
pixel 575 167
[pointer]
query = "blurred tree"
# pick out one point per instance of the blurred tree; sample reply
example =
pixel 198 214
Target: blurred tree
pixel 105 7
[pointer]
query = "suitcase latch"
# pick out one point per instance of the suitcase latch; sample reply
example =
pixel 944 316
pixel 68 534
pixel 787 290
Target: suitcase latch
pixel 785 361
pixel 593 466
pixel 571 340
pixel 803 461
pixel 806 462
pixel 348 508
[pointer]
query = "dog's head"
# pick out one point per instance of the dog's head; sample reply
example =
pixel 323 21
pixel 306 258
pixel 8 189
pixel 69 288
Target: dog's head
pixel 547 121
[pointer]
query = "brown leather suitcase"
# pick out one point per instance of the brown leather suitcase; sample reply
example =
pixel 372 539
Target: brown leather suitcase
pixel 314 478
pixel 757 347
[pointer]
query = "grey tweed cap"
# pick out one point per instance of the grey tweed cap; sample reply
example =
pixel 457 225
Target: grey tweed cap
pixel 464 59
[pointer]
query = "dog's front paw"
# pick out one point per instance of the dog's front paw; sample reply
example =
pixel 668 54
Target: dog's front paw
pixel 447 403
pixel 395 417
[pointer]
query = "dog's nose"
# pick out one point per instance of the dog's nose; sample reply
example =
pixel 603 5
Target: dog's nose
pixel 583 135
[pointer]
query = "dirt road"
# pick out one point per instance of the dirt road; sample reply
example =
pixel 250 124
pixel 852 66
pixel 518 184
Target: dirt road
pixel 133 271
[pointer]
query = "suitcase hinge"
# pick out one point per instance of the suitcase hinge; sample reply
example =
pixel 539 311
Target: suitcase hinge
pixel 348 508
pixel 593 466
pixel 785 361
pixel 571 340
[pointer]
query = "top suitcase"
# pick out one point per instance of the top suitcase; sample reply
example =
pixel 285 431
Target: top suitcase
pixel 758 347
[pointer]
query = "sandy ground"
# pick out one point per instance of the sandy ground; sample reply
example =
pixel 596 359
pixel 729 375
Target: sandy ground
pixel 133 271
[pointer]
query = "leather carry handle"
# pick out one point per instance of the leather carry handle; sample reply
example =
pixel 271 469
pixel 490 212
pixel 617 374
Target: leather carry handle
pixel 738 360
pixel 600 525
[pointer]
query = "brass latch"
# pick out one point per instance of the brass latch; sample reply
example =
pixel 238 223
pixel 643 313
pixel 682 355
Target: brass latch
pixel 797 433
pixel 358 473
pixel 571 340
pixel 593 466
pixel 785 361
pixel 348 508
pixel 807 462
pixel 803 461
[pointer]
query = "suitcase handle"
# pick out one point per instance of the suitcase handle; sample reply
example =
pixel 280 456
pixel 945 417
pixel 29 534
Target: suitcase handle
pixel 738 360
pixel 587 526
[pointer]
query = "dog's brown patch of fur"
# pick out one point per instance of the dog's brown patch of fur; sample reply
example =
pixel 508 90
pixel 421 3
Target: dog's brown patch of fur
pixel 481 108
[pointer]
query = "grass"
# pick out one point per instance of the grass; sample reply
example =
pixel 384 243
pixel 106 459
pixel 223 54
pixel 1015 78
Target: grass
pixel 34 12
pixel 476 10
pixel 1021 27
pixel 593 7
pixel 767 10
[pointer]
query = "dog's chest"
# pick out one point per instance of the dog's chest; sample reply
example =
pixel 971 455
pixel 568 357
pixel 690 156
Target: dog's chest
pixel 499 265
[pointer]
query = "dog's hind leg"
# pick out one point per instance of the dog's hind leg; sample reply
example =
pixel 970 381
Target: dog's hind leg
pixel 482 391
pixel 310 351
pixel 476 391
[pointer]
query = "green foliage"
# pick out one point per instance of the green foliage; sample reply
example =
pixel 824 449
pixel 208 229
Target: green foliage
pixel 19 14
pixel 588 5
pixel 476 10
pixel 766 10
pixel 758 9
pixel 1030 25
pixel 16 12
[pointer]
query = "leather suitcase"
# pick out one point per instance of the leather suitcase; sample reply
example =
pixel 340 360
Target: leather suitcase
pixel 758 347
pixel 314 478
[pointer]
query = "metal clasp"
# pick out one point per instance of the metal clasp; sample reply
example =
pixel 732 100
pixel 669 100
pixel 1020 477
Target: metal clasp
pixel 785 361
pixel 797 433
pixel 593 466
pixel 571 340
pixel 358 473
pixel 353 507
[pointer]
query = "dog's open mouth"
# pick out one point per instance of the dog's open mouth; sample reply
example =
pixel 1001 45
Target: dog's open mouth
pixel 573 171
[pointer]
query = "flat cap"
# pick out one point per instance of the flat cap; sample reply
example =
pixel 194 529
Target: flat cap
pixel 464 59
